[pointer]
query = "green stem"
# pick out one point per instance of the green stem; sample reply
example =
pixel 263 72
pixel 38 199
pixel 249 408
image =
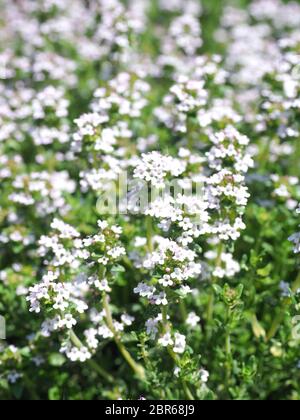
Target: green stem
pixel 211 300
pixel 228 357
pixel 275 326
pixel 187 391
pixel 228 350
pixel 137 368
pixel 265 151
pixel 210 307
pixel 173 355
pixel 77 342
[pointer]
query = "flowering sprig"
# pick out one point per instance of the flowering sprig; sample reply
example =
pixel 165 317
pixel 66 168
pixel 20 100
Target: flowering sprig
pixel 78 268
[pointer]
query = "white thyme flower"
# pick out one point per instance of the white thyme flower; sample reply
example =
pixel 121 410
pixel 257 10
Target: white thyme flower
pixel 192 319
pixel 154 168
pixel 204 376
pixel 180 343
pixel 166 340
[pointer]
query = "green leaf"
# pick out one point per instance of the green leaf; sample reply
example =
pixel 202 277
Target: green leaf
pixel 57 359
pixel 118 269
pixel 266 271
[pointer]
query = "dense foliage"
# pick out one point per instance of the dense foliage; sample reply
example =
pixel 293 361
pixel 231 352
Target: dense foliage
pixel 185 283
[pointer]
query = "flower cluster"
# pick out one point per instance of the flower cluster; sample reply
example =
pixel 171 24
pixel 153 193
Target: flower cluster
pixel 154 168
pixel 72 277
